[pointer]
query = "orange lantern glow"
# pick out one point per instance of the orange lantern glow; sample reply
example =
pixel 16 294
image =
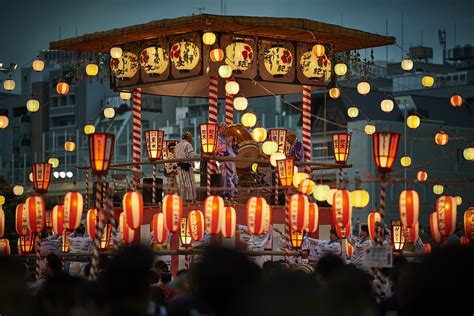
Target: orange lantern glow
pixel 73 207
pixel 441 138
pixel 469 223
pixel 434 228
pixel 213 212
pixel 65 242
pixel 427 248
pixel 5 247
pixel 446 207
pixel 216 55
pixel 35 213
pixel 313 218
pixel 298 212
pixel 70 145
pixel 307 186
pixel 21 226
pixel 409 207
pixel 349 249
pixel 196 225
pixel 255 214
pixel 101 151
pixel 341 144
pixel 297 238
pixel 58 219
pixel 208 133
pixel 132 205
pixel 456 100
pixel 185 233
pixel 26 244
pixel 160 233
pixel 172 211
pixel 229 222
pixel 2 222
pixel 154 144
pixel 373 220
pixel 285 169
pixel 385 147
pixel 464 241
pixel 62 88
pixel 334 93
pixel 127 234
pixel 341 208
pixel 411 233
pixel 398 240
pixel 422 176
pixel 344 232
pixel 41 176
pixel 105 238
pixel 91 221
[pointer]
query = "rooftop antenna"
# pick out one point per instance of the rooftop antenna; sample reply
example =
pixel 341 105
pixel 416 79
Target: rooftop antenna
pixel 442 42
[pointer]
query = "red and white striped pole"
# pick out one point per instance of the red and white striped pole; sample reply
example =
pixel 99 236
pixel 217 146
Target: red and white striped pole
pixel 153 186
pixel 287 227
pixel 306 128
pixel 229 107
pixel 112 221
pixel 95 250
pixel 137 132
pixel 383 194
pixel 87 189
pixel 38 256
pixel 211 164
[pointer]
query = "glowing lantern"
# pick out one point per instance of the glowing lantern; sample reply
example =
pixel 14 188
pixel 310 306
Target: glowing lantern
pixel 154 144
pixel 298 178
pixel 21 225
pixel 334 93
pixel 89 129
pixel 54 162
pixel 353 112
pixel 160 233
pixel 101 150
pixel 360 198
pixel 409 207
pixel 456 100
pixel 349 249
pixel 5 247
pixel 341 145
pixel 2 222
pixel 185 55
pixel 49 219
pixel 427 81
pixel 458 200
pixel 259 134
pixel 208 38
pixel 32 105
pixel 62 88
pixel 254 167
pixel 320 192
pixel 41 176
pixel 18 190
pixel 105 238
pixel 124 67
pixel 73 207
pixel 446 209
pixel 213 212
pixel 297 238
pixel 398 240
pixel 385 147
pixel 434 228
pixel 216 55
pixel 35 213
pixel 318 50
pixel 340 69
pixel 57 215
pixel 278 135
pixel 125 95
pixel 469 223
pixel 116 52
pixel 422 176
pixel 30 176
pixel 232 87
pixel 249 119
pixel 438 189
pixel 441 138
pixel 413 121
pixel 269 147
pixel 196 225
pixel 255 214
pixel 9 84
pixel 92 70
pixel 373 220
pixel 464 241
pixel 225 71
pixel 70 145
pixel 3 122
pixel 2 200
pixel 405 161
pixel 38 65
pixel 369 129
pixel 313 218
pixel 185 233
pixel 315 67
pixel 407 64
pixel 468 153
pixel 26 244
pixel 132 205
pixel 298 211
pixel 285 169
pixel 427 248
pixel 208 137
pixel 65 242
pixel 343 232
pixel 276 156
pixel 91 221
pixel 154 60
pixel 411 233
pixel 307 186
pixel 341 208
pixel 238 56
pixel 240 103
pixel 127 234
pixel 277 61
pixel 172 211
pixel 387 105
pixel 229 221
pixel 109 112
pixel 363 87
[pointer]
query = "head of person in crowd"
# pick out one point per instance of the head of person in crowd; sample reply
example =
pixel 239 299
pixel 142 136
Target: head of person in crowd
pixel 364 231
pixel 333 234
pixel 188 137
pixel 54 266
pixel 80 230
pixel 166 277
pixel 326 267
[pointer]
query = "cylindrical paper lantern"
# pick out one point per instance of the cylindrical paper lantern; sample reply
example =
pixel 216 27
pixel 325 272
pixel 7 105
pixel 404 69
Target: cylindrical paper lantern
pixel 73 206
pixel 172 211
pixel 127 234
pixel 434 228
pixel 409 207
pixel 298 210
pixel 196 224
pixel 160 233
pixel 341 208
pixel 21 225
pixel 213 211
pixel 373 220
pixel 256 206
pixel 35 213
pixel 90 221
pixel 343 232
pixel 58 219
pixel 229 222
pixel 313 218
pixel 468 223
pixel 133 207
pixel 446 207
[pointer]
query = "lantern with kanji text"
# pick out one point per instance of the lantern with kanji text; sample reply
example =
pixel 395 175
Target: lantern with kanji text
pixel 154 144
pixel 229 221
pixel 285 169
pixel 385 147
pixel 196 224
pixel 298 211
pixel 101 152
pixel 446 208
pixel 132 205
pixel 341 145
pixel 73 207
pixel 341 208
pixel 208 137
pixel 21 225
pixel 398 240
pixel 160 233
pixel 35 213
pixel 172 211
pixel 409 207
pixel 41 176
pixel 57 215
pixel 213 212
pixel 255 214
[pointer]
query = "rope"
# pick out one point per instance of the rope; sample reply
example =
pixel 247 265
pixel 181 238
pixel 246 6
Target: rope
pixel 153 195
pixel 95 250
pixel 229 107
pixel 383 194
pixel 306 127
pixel 113 223
pixel 87 189
pixel 287 228
pixel 211 164
pixel 38 257
pixel 137 132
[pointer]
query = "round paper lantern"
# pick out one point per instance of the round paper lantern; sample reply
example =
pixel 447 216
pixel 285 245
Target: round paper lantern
pixel 89 129
pixel 277 61
pixel 216 55
pixel 3 122
pixel 307 186
pixel 363 87
pixel 315 67
pixel 109 112
pixel 320 192
pixel 341 208
pixel 154 60
pixel 269 147
pixel 254 167
pixel 340 69
pixel 125 95
pixel 70 145
pixel 35 213
pixel 9 84
pixel 127 234
pixel 409 207
pixel 373 220
pixel 5 247
pixel 427 248
pixel 446 208
pixel 360 198
pixel 464 241
pixel 32 105
pixel 38 65
pixel 441 138
pixel 276 156
pixel 318 50
pixel 172 211
pixel 298 211
pixel 57 214
pixel 405 161
pixel 62 88
pixel 196 224
pixel 18 190
pixel 91 221
pixel 469 223
pixel 313 218
pixel 225 71
pixel 458 200
pixel 334 93
pixel 255 214
pixel 229 220
pixel 343 232
pixel 434 228
pixel 240 103
pixel 238 56
pixel 21 225
pixel 132 205
pixel 387 105
pixel 259 134
pixel 413 121
pixel 213 212
pixel 427 81
pixel 422 176
pixel 232 87
pixel 30 176
pixel 438 189
pixel 468 153
pixel 369 129
pixel 407 64
pixel 456 100
pixel 353 112
pixel 92 70
pixel 411 234
pixel 54 162
pixel 116 52
pixel 209 38
pixel 185 55
pixel 160 233
pixel 298 178
pixel 73 206
pixel 124 67
pixel 249 119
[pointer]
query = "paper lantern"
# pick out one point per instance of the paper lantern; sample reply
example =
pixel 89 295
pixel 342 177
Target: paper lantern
pixel 269 147
pixel 26 244
pixel 427 81
pixel 422 176
pixel 469 223
pixel 285 169
pixel 407 64
pixel 5 247
pixel 298 212
pixel 239 56
pixel 279 136
pixel 196 224
pixel 438 189
pixel 313 218
pixel 18 190
pixel 360 198
pixel 57 215
pixel 468 153
pixel 54 162
pixel 32 105
pixel 353 112
pixel 296 238
pixel 89 129
pixel 70 145
pixel 240 103
pixel 62 88
pixel 298 178
pixel 254 167
pixel 185 233
pixel 315 67
pixel 154 60
pixel 2 200
pixel 30 177
pixel 232 87
pixel 369 129
pixel 249 120
pixel 398 240
pixel 387 105
pixel 229 221
pixel 374 219
pixel 341 145
pixel 185 55
pixel 208 138
pixel 132 205
pixel 340 69
pixel 213 212
pixel 41 176
pixel 49 219
pixel 172 211
pixel 363 87
pixel 320 192
pixel 125 95
pixel 225 71
pixel 343 232
pixel 409 207
pixel 458 200
pixel 405 161
pixel 38 65
pixel 255 214
pixel 413 121
pixel 217 55
pixel 307 186
pixel 35 213
pixel 101 151
pixel 124 67
pixel 9 84
pixel 109 112
pixel 73 207
pixel 341 208
pixel 456 100
pixel 2 222
pixel 91 219
pixel 92 70
pixel 65 241
pixel 160 233
pixel 259 134
pixel 208 38
pixel 116 52
pixel 334 93
pixel 276 156
pixel 277 61
pixel 411 234
pixel 434 228
pixel 349 249
pixel 318 50
pixel 385 146
pixel 127 234
pixel 427 248
pixel 154 144
pixel 441 138
pixel 21 225
pixel 446 208
pixel 3 122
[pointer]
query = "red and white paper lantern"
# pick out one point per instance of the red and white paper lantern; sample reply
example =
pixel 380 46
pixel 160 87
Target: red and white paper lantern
pixel 411 233
pixel 172 211
pixel 5 247
pixel 409 207
pixel 21 225
pixel 2 222
pixel 267 219
pixel 341 208
pixel 35 213
pixel 58 219
pixel 132 204
pixel 229 221
pixel 73 206
pixel 213 211
pixel 256 209
pixel 434 228
pixel 427 248
pixel 127 234
pixel 372 219
pixel 469 223
pixel 446 207
pixel 91 219
pixel 196 224
pixel 160 233
pixel 298 212
pixel 313 218
pixel 344 232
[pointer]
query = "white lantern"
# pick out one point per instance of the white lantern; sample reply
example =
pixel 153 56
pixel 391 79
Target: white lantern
pixel 38 65
pixel 225 71
pixel 18 190
pixel 340 69
pixel 321 192
pixel 125 95
pixel 249 119
pixel 9 84
pixel 276 156
pixel 116 52
pixel 239 56
pixel 32 105
pixel 407 64
pixel 4 121
pixel 386 105
pixel 369 129
pixel 232 87
pixel 259 134
pixel 353 112
pixel 208 38
pixel 269 147
pixel 363 87
pixel 240 103
pixel 154 60
pixel 109 112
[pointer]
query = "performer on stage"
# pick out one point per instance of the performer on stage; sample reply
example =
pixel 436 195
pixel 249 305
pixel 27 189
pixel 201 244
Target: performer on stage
pixel 171 171
pixel 186 183
pixel 296 147
pixel 319 248
pixel 360 244
pixel 227 146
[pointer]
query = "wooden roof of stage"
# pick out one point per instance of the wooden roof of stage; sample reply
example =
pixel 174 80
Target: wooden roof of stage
pixel 291 29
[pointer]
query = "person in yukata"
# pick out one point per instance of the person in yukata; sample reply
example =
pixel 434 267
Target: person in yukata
pixel 227 146
pixel 186 183
pixel 295 147
pixel 360 244
pixel 319 248
pixel 171 171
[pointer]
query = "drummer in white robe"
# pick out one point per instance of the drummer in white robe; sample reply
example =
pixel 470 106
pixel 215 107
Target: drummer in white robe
pixel 256 243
